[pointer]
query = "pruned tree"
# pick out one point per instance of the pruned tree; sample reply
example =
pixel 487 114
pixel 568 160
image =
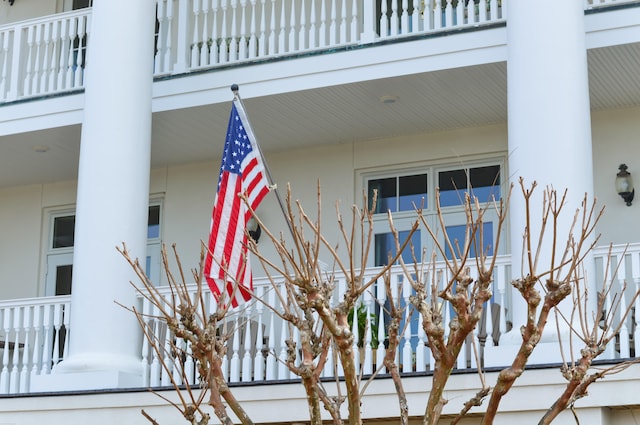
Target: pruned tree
pixel 319 308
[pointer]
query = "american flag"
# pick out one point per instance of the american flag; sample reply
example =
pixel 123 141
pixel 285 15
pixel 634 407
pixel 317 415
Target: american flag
pixel 227 266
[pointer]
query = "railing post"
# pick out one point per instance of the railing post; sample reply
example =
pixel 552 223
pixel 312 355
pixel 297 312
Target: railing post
pixel 16 64
pixel 182 44
pixel 368 9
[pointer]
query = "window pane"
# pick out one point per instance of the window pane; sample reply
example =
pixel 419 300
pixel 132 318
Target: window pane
pixel 386 200
pixel 485 182
pixel 456 236
pixel 452 186
pixel 385 246
pixel 63 231
pixel 413 190
pixel 153 223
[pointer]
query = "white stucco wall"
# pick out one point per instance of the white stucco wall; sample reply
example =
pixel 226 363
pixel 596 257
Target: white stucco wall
pixel 187 191
pixel 616 141
pixel 26 9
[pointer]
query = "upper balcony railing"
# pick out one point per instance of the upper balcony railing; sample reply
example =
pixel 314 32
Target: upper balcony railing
pixel 49 55
pixel 34 333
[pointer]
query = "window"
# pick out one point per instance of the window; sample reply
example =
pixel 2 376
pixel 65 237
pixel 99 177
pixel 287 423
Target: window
pixel 401 192
pixel 59 267
pixel 481 182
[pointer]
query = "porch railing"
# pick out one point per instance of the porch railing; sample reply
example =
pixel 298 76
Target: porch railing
pixel 34 332
pixel 48 55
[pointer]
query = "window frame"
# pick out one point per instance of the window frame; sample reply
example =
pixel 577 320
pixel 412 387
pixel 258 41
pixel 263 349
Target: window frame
pixel 455 213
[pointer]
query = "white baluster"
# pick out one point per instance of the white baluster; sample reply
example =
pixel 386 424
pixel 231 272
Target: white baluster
pixel 609 352
pixel 234 375
pixel 407 351
pixel 166 356
pixel 154 368
pixel 195 43
pixel 224 42
pixel 69 63
pixel 247 361
pixel 438 14
pixel 624 329
pixel 394 20
pixel 312 39
pixel 493 6
pixel 421 352
pixel 57 323
pixel 271 361
pixel 384 19
pixel 24 371
pixel 4 374
pixel 63 64
pixel 460 13
pixel 189 365
pixel 253 33
pixel 428 15
pixel 36 357
pixel 168 37
pixel 146 347
pixel 333 26
pixel 489 342
pixel 283 371
pixel 292 27
pixel 382 326
pixel 303 32
pixel 500 284
pixel 176 359
pixel 262 39
pixel 158 63
pixel 28 75
pixel 343 23
pixel 415 17
pixel 368 351
pixel 14 383
pixel 356 338
pixel 282 34
pixel 52 71
pixel 80 57
pixel 205 55
pixel 322 28
pixel 404 17
pixel 258 359
pixel 233 42
pixel 216 44
pixel 482 11
pixel 47 327
pixel 471 13
pixel 272 30
pixel 355 33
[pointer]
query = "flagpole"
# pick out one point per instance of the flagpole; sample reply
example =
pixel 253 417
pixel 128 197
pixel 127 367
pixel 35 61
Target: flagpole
pixel 236 95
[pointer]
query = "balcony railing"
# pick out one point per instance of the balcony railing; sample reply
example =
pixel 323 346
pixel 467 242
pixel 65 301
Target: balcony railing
pixel 34 332
pixel 48 55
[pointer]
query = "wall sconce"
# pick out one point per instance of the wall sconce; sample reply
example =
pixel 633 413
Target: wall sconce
pixel 624 184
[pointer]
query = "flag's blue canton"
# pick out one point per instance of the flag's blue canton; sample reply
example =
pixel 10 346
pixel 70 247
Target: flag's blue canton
pixel 237 146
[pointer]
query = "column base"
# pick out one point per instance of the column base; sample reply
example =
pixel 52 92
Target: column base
pixel 84 381
pixel 91 372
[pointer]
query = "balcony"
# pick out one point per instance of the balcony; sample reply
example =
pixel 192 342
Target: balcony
pixel 48 55
pixel 34 333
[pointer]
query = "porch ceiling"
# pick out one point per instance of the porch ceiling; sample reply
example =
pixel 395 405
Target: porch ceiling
pixel 435 101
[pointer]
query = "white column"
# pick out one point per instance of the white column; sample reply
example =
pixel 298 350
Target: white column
pixel 549 124
pixel 112 199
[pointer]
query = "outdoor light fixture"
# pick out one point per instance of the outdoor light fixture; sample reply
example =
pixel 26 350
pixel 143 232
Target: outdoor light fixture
pixel 624 184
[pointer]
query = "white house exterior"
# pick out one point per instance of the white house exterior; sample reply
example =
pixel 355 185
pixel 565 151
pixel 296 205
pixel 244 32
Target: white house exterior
pixel 111 130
